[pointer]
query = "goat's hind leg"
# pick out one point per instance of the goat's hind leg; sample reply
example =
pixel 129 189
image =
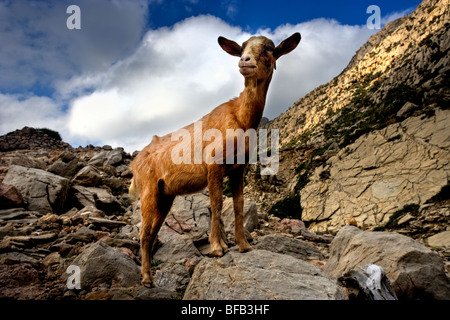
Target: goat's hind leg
pixel 154 212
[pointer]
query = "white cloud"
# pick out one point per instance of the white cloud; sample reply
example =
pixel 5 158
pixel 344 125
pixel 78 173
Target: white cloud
pixel 179 74
pixel 18 111
pixel 173 77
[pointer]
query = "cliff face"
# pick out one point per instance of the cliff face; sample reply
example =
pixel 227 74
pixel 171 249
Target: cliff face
pixel 385 119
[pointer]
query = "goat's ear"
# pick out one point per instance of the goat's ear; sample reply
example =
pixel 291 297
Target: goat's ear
pixel 287 45
pixel 230 47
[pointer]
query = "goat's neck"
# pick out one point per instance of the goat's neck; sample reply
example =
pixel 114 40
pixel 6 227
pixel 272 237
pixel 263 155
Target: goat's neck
pixel 253 100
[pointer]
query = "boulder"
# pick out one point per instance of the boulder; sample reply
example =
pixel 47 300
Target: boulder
pixel 172 277
pixel 111 158
pixel 82 197
pixel 441 239
pixel 250 218
pixel 10 197
pixel 66 169
pixel 294 247
pixel 260 275
pixel 104 200
pixel 191 215
pixel 88 176
pixel 43 191
pixel 380 173
pixel 415 271
pixel 102 264
pixel 176 249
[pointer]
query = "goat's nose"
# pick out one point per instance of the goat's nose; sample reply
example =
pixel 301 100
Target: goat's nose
pixel 245 58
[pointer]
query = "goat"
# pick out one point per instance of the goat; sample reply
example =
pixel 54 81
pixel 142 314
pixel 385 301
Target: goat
pixel 157 179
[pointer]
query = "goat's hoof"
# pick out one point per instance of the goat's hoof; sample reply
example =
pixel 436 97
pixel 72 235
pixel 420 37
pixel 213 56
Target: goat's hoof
pixel 246 248
pixel 148 283
pixel 216 253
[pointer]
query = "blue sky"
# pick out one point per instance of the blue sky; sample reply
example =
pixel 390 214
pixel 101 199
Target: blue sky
pixel 142 67
pixel 256 14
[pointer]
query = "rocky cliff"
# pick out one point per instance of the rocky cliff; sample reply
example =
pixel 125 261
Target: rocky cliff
pixel 375 138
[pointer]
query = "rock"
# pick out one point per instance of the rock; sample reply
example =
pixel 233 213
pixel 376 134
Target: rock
pixel 190 215
pixel 88 176
pixel 441 239
pixel 407 109
pixel 27 161
pixel 99 222
pixel 14 213
pixel 104 200
pixel 294 247
pixel 155 294
pixel 10 197
pixel 83 234
pixel 17 258
pixel 122 243
pixel 368 283
pixel 415 271
pixel 82 197
pixel 172 277
pixel 404 163
pixel 293 225
pixel 250 217
pixel 43 191
pixel 100 264
pixel 176 249
pixel 67 165
pixel 111 158
pixel 259 275
pixel 19 281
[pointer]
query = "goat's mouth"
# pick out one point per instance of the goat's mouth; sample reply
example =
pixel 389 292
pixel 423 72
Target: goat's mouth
pixel 246 70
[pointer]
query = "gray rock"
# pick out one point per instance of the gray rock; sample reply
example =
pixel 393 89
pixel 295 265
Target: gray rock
pixel 10 197
pixel 88 176
pixel 83 197
pixel 104 200
pixel 112 158
pixel 172 277
pixel 294 247
pixel 191 215
pixel 102 264
pixel 155 294
pixel 108 223
pixel 43 191
pixel 176 249
pixel 415 271
pixel 378 174
pixel 260 275
pixel 441 239
pixel 67 165
pixel 250 217
pixel 407 109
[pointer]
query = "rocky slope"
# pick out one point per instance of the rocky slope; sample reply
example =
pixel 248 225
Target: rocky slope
pixel 375 138
pixel 369 149
pixel 66 211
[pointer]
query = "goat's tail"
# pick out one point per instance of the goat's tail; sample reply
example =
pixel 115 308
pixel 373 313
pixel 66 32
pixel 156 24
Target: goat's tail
pixel 132 191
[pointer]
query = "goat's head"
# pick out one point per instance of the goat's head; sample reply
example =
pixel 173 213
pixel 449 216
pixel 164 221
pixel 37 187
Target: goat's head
pixel 259 54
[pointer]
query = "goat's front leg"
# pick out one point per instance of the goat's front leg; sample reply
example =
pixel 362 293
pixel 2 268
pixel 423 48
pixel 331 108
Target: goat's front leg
pixel 215 180
pixel 237 189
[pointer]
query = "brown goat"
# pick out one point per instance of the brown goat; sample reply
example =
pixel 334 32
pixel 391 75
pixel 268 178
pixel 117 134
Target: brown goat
pixel 158 179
